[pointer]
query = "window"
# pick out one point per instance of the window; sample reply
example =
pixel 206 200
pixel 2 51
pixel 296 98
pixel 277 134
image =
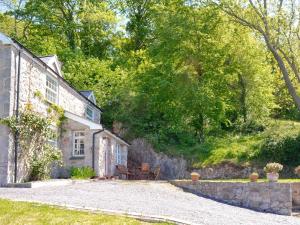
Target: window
pixel 118 154
pixel 78 145
pixel 89 113
pixel 51 90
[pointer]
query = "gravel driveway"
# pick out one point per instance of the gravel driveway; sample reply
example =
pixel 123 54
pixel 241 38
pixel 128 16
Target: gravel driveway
pixel 157 199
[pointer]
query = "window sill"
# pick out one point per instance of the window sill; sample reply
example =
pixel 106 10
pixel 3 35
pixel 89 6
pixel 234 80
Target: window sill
pixel 77 157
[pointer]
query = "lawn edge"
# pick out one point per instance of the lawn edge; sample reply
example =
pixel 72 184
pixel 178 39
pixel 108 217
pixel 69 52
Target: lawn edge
pixel 134 215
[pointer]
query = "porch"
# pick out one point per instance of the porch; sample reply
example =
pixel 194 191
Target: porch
pixel 86 143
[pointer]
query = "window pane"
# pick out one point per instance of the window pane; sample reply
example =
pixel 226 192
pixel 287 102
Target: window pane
pixel 51 89
pixel 78 143
pixel 89 113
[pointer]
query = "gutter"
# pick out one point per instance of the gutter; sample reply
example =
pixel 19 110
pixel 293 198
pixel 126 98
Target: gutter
pixel 93 147
pixel 16 136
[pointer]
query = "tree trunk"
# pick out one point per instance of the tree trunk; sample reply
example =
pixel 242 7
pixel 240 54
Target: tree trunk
pixel 285 74
pixel 242 83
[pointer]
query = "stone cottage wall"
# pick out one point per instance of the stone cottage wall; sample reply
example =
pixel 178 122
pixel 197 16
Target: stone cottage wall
pixel 33 79
pixel 266 197
pixel 7 70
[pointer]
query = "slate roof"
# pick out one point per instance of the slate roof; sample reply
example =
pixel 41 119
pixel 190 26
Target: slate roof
pixel 87 93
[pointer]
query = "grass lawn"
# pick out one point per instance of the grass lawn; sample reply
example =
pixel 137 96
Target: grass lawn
pixel 23 213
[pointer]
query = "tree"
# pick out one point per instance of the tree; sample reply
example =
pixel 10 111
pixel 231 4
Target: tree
pixel 14 6
pixel 277 23
pixel 252 81
pixel 82 24
pixel 138 13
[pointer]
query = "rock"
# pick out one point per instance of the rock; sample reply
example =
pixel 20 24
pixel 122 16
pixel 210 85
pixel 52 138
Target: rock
pixel 141 151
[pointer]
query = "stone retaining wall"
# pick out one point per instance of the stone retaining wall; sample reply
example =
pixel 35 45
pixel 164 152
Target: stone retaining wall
pixel 266 197
pixel 296 195
pixel 141 151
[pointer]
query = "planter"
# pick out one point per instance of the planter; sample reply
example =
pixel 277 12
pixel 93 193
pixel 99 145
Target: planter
pixel 273 177
pixel 253 177
pixel 195 176
pixel 145 167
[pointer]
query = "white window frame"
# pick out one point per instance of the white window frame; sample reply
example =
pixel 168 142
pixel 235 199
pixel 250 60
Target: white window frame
pixel 87 115
pixel 118 154
pixel 51 89
pixel 78 140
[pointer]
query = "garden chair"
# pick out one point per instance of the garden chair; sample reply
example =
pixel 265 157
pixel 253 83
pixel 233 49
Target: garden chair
pixel 121 169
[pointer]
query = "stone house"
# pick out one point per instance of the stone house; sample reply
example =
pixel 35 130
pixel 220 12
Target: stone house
pixel 84 142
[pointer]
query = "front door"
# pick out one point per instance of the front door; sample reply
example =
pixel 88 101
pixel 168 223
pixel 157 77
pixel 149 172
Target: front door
pixel 107 157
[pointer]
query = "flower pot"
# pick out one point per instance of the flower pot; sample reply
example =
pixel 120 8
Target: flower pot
pixel 253 177
pixel 195 176
pixel 272 177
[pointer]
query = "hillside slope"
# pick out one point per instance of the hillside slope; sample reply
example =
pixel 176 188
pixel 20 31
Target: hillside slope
pixel 280 142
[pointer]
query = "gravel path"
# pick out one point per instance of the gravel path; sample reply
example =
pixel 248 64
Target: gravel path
pixel 159 199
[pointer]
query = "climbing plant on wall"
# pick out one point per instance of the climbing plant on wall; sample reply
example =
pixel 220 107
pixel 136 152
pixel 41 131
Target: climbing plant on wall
pixel 34 132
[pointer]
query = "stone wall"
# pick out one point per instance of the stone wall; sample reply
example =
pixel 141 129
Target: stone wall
pixel 105 149
pixel 296 195
pixel 6 109
pixel 170 168
pixel 33 79
pixel 266 197
pixel 227 170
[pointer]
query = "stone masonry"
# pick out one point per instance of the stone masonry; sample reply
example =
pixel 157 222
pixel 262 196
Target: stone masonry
pixel 266 197
pixel 33 76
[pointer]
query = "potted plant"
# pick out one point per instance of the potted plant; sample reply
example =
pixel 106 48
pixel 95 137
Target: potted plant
pixel 195 176
pixel 272 170
pixel 253 177
pixel 297 171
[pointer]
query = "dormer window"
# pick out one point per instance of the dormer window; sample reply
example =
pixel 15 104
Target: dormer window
pixel 51 89
pixel 89 113
pixel 89 95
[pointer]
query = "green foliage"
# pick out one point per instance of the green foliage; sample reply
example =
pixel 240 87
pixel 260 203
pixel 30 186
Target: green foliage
pixel 82 172
pixel 55 112
pixel 34 131
pixel 41 166
pixel 182 75
pixel 281 148
pixel 244 148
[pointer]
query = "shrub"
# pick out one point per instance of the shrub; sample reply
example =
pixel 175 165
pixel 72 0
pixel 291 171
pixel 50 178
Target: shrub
pixel 41 166
pixel 282 148
pixel 35 154
pixel 249 127
pixel 273 168
pixel 82 172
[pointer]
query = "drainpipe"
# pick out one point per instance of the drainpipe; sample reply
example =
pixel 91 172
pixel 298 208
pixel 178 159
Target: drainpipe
pixel 93 147
pixel 16 136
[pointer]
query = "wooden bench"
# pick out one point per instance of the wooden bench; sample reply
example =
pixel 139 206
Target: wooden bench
pixel 121 169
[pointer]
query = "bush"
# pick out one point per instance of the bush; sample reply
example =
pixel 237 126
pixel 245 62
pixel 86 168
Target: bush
pixel 249 127
pixel 284 149
pixel 82 172
pixel 41 166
